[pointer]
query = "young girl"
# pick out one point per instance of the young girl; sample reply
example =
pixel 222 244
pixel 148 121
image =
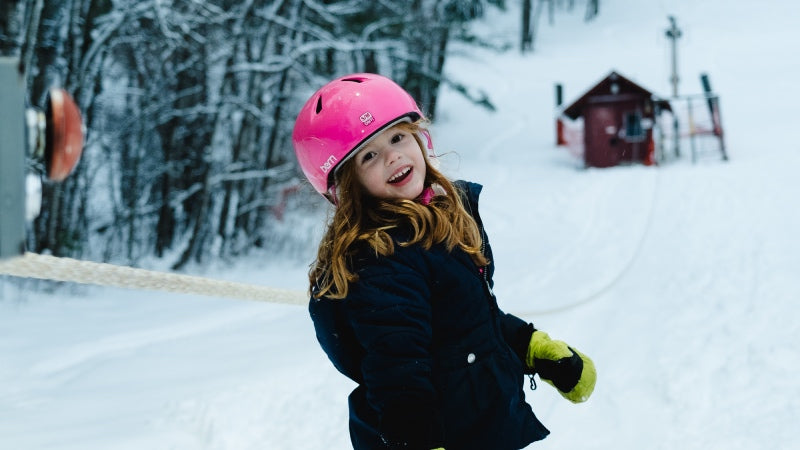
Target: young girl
pixel 402 299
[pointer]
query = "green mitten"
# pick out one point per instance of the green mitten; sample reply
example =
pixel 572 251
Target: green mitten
pixel 571 372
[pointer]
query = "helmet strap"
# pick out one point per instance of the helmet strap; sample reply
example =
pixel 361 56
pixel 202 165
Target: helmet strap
pixel 331 196
pixel 426 137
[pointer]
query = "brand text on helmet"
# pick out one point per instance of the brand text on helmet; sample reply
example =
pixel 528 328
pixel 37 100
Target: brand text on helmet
pixel 325 167
pixel 367 118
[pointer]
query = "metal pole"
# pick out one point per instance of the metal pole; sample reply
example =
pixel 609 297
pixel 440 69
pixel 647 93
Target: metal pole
pixel 692 130
pixel 12 159
pixel 673 33
pixel 718 121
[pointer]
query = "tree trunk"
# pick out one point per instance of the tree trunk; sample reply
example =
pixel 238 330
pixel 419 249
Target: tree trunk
pixel 526 39
pixel 11 28
pixel 592 9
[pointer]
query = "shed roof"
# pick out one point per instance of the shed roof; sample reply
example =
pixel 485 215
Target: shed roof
pixel 625 86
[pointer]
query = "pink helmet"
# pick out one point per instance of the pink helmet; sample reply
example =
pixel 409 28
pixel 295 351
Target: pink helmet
pixel 343 116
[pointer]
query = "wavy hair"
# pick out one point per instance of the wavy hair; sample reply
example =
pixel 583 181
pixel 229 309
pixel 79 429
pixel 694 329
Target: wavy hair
pixel 360 217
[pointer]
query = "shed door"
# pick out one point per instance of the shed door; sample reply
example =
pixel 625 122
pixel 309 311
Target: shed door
pixel 601 133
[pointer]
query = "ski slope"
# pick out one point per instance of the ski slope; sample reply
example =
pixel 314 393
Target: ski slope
pixel 680 281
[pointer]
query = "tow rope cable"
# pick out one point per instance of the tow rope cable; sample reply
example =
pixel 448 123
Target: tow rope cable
pixel 648 224
pixel 34 265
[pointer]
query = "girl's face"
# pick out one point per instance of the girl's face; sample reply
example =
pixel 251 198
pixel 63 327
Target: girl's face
pixel 392 165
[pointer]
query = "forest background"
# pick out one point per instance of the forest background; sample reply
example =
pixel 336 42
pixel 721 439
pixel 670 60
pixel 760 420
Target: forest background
pixel 189 105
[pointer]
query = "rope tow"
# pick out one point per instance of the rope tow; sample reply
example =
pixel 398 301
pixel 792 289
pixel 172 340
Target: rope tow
pixel 648 224
pixel 33 265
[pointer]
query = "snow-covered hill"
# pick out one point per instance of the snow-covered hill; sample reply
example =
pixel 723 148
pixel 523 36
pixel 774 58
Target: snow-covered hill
pixel 680 280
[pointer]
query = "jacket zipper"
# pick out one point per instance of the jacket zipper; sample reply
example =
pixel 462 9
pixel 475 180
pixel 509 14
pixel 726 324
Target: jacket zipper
pixel 484 270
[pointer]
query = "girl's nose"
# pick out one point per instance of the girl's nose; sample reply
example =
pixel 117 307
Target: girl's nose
pixel 392 156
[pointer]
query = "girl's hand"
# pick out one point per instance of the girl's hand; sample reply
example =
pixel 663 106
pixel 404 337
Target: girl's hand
pixel 571 372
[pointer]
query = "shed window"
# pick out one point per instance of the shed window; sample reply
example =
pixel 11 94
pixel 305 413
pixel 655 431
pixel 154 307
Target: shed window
pixel 634 131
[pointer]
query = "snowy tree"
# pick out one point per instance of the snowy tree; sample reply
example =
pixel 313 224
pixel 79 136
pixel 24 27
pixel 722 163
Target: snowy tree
pixel 532 11
pixel 189 107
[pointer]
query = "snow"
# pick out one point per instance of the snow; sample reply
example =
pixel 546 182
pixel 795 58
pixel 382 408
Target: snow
pixel 680 280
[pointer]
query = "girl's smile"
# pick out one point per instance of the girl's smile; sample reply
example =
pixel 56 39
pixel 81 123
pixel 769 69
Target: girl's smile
pixel 392 165
pixel 400 176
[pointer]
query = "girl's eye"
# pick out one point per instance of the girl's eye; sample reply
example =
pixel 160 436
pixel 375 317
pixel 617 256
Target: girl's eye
pixel 367 156
pixel 397 138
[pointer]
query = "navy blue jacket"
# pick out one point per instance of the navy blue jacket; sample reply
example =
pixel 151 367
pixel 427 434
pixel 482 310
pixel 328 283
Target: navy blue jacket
pixel 437 362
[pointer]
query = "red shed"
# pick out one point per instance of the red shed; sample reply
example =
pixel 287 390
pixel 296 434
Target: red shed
pixel 618 118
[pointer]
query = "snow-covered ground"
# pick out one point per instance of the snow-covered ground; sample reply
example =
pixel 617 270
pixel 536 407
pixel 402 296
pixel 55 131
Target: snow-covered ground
pixel 681 281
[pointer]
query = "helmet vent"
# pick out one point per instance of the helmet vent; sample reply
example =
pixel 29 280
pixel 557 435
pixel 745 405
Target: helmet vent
pixel 354 80
pixel 319 104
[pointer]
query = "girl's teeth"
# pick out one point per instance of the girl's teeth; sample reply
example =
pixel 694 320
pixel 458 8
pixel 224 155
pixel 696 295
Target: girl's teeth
pixel 399 175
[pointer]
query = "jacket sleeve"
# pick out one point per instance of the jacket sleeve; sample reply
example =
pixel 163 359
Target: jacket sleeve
pixel 335 336
pixel 390 313
pixel 517 334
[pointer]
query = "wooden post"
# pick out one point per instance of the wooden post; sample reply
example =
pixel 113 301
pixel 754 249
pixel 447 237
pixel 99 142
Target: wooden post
pixel 713 109
pixel 559 123
pixel 692 129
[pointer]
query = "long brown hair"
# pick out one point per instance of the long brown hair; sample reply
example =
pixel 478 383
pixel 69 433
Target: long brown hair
pixel 359 217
